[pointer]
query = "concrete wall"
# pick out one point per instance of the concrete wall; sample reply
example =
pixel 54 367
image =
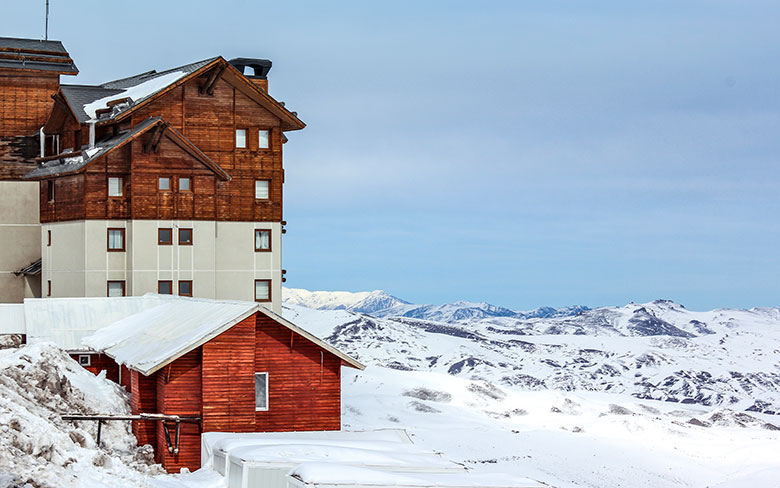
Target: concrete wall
pixel 19 239
pixel 221 262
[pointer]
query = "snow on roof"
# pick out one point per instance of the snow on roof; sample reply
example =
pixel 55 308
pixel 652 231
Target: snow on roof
pixel 157 336
pixel 226 441
pixel 333 474
pixel 362 453
pixel 149 340
pixel 136 93
pixel 65 321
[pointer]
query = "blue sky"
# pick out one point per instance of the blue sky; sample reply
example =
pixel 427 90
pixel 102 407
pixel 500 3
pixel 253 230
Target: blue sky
pixel 522 153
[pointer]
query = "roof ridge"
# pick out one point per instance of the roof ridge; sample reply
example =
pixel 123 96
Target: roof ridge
pixel 155 74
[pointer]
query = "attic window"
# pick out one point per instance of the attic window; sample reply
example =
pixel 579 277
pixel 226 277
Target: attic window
pixel 240 138
pixel 85 360
pixel 261 392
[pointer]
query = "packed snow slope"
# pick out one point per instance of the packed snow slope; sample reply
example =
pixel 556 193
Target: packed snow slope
pixel 657 350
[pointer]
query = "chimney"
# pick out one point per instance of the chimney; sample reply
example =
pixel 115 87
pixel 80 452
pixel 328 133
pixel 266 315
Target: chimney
pixel 254 69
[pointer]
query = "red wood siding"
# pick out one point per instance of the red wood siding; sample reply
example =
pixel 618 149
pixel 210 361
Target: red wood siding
pixel 228 380
pixel 101 362
pixel 304 385
pixel 179 393
pixel 143 392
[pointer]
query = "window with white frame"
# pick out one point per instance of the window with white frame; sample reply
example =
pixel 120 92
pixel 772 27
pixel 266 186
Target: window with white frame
pixel 261 189
pixel 262 140
pixel 241 138
pixel 85 360
pixel 116 288
pixel 114 186
pixel 261 392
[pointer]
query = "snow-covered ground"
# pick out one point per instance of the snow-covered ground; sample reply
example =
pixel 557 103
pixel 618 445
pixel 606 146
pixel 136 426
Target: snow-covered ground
pixel 649 395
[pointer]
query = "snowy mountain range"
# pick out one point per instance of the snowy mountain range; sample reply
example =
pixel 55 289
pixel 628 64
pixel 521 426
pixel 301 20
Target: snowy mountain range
pixel 658 350
pixel 381 304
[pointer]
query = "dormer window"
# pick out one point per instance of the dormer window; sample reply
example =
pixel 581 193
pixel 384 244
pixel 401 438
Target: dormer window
pixel 263 139
pixel 241 138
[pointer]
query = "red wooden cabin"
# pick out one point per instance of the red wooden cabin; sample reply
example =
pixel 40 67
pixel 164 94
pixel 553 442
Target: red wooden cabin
pixel 235 366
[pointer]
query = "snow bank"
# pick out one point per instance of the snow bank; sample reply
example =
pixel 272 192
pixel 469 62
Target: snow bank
pixel 38 384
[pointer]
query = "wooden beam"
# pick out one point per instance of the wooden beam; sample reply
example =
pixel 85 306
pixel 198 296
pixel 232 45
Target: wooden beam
pixel 211 81
pixel 153 143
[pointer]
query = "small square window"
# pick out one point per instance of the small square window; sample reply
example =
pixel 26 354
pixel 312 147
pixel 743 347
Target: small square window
pixel 85 360
pixel 185 288
pixel 261 392
pixel 116 288
pixel 261 189
pixel 262 140
pixel 262 240
pixel 164 183
pixel 114 186
pixel 241 138
pixel 165 237
pixel 165 287
pixel 116 240
pixel 262 290
pixel 185 237
pixel 184 184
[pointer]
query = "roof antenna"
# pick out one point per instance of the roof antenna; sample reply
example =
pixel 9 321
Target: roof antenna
pixel 47 20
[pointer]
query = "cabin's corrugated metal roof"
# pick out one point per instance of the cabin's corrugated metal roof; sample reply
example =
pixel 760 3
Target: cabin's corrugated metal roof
pixel 66 321
pixel 72 164
pixel 151 339
pixel 35 54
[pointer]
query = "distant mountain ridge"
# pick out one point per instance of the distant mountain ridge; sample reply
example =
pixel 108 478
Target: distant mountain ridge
pixel 379 303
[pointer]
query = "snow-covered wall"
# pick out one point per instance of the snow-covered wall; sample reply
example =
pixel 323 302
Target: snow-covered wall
pixel 12 319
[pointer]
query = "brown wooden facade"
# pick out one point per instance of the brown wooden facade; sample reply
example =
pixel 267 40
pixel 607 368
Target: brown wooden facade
pixel 209 122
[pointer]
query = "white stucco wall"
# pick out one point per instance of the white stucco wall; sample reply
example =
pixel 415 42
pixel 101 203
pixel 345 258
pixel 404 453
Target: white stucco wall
pixel 221 262
pixel 19 238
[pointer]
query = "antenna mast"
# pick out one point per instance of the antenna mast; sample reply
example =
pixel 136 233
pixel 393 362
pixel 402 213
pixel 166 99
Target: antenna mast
pixel 47 20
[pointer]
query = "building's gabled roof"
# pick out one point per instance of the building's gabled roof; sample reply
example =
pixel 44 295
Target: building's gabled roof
pixel 92 103
pixel 150 340
pixel 75 162
pixel 36 55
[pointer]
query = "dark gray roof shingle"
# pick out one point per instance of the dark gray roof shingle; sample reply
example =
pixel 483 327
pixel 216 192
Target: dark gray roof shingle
pixel 35 54
pixel 80 95
pixel 67 165
pixel 131 81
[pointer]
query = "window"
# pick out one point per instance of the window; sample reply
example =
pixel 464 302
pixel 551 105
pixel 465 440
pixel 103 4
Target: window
pixel 164 183
pixel 261 392
pixel 262 140
pixel 165 287
pixel 185 288
pixel 184 184
pixel 262 240
pixel 50 190
pixel 114 186
pixel 262 290
pixel 48 234
pixel 116 240
pixel 165 237
pixel 116 289
pixel 85 360
pixel 185 237
pixel 261 189
pixel 241 138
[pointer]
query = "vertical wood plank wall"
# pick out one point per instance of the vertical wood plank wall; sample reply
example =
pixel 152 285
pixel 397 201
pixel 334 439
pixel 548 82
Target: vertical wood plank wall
pixel 143 399
pixel 101 362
